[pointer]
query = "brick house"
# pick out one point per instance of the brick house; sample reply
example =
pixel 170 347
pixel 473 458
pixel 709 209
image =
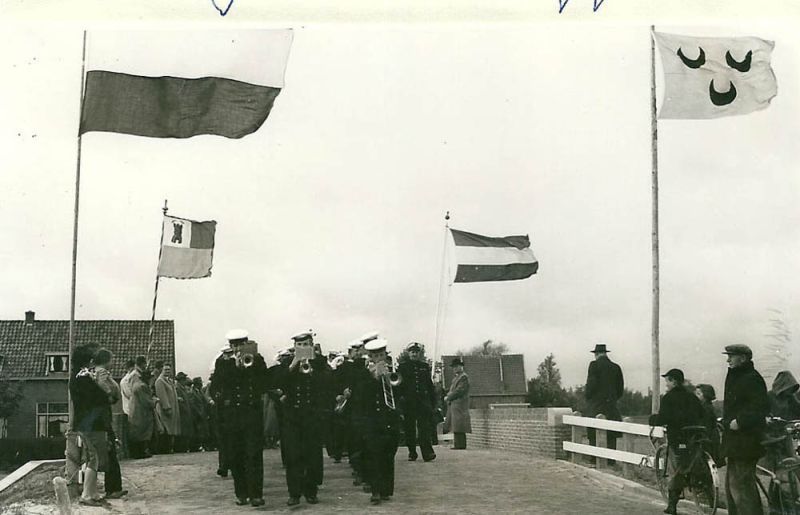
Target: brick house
pixel 492 379
pixel 35 353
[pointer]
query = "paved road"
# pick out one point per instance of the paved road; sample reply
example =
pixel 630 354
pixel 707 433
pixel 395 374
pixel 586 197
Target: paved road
pixel 472 481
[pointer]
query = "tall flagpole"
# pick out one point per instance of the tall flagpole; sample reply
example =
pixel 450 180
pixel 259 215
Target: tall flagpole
pixel 155 292
pixel 75 232
pixel 441 310
pixel 656 379
pixel 72 451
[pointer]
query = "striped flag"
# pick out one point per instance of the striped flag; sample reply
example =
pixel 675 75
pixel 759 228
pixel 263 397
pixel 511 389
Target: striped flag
pixel 484 258
pixel 187 248
pixel 179 84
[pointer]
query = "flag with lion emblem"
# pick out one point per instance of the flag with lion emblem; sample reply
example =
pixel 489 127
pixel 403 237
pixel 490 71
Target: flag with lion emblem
pixel 187 248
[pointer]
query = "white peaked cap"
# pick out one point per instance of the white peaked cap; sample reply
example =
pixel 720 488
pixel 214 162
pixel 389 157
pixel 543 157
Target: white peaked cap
pixel 236 334
pixel 369 336
pixel 303 335
pixel 376 344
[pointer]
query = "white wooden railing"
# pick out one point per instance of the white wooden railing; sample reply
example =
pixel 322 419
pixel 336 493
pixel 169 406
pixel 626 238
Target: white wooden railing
pixel 628 456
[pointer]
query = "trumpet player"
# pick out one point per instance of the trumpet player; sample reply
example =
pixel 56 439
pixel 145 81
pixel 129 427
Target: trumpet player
pixel 306 394
pixel 240 376
pixel 419 401
pixel 375 414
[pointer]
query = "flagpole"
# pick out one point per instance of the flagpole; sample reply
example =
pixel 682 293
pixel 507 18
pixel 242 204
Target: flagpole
pixel 440 310
pixel 656 366
pixel 72 449
pixel 155 292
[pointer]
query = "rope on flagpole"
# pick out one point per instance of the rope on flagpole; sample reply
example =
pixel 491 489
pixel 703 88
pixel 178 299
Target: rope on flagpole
pixel 155 292
pixel 441 312
pixel 656 365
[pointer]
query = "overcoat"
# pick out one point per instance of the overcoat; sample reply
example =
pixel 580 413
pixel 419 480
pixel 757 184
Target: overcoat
pixel 140 408
pixel 458 419
pixel 167 408
pixel 604 386
pixel 746 402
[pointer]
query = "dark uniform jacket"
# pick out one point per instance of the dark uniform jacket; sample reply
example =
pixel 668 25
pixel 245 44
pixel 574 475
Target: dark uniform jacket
pixel 746 402
pixel 233 386
pixel 305 392
pixel 416 387
pixel 679 408
pixel 369 407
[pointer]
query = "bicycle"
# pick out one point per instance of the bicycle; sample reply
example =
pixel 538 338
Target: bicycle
pixel 781 493
pixel 702 480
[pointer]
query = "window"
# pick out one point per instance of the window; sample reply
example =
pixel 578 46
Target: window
pixel 52 419
pixel 57 363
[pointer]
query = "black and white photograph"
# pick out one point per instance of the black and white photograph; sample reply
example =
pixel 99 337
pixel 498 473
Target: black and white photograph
pixel 376 265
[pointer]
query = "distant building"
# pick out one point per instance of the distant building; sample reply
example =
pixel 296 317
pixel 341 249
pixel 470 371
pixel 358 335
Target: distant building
pixel 35 353
pixel 492 379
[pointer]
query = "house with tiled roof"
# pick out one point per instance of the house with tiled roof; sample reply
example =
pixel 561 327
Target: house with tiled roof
pixel 492 379
pixel 35 355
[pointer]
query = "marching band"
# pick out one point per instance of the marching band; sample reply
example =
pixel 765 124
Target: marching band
pixel 354 404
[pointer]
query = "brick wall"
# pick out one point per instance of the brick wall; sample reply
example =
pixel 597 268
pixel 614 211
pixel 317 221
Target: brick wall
pixel 533 431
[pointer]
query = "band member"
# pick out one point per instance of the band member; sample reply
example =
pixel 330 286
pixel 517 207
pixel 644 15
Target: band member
pixel 375 414
pixel 240 378
pixel 355 444
pixel 418 401
pixel 306 393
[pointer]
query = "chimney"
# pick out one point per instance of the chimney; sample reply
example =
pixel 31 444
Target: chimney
pixel 29 317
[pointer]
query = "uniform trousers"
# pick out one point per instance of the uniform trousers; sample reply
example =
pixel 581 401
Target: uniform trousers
pixel 242 429
pixel 302 445
pixel 380 445
pixel 418 426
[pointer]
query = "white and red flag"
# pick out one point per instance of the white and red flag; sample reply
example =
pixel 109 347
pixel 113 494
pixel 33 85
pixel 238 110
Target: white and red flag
pixel 187 248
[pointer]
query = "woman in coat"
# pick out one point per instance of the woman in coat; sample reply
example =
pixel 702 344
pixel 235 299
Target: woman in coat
pixel 167 409
pixel 457 399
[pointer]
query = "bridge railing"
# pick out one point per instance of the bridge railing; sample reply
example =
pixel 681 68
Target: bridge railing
pixel 633 441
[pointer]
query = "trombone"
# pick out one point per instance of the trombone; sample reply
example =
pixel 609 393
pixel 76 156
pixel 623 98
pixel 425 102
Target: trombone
pixel 389 379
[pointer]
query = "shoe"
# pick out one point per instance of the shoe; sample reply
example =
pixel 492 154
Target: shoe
pixel 258 501
pixel 241 501
pixel 375 499
pixel 429 458
pixel 672 510
pixel 412 456
pixel 90 502
pixel 117 494
pixel 293 501
pixel 222 473
pixel 312 499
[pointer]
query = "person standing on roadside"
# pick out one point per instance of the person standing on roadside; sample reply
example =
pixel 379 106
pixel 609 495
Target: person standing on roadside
pixel 744 413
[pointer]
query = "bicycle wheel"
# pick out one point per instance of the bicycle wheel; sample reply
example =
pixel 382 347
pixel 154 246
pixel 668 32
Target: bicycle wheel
pixel 661 466
pixel 704 485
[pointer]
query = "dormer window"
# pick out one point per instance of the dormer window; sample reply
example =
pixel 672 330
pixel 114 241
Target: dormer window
pixel 57 363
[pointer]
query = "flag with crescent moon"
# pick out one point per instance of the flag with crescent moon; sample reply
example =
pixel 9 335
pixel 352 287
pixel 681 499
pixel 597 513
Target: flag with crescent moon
pixel 715 77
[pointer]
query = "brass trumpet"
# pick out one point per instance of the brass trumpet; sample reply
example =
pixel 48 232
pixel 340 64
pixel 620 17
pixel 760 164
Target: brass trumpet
pixel 305 367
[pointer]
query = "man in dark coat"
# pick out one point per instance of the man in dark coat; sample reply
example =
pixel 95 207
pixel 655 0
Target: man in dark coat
pixel 679 408
pixel 744 412
pixel 239 388
pixel 418 403
pixel 604 387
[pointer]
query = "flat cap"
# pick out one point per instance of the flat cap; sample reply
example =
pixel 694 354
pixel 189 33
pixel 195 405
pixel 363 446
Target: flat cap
pixel 738 349
pixel 376 344
pixel 676 374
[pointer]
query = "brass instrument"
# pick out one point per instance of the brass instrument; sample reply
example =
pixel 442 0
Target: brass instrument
pixel 305 367
pixel 389 379
pixel 245 354
pixel 340 404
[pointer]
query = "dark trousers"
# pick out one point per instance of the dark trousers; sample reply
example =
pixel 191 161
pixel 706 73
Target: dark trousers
pixel 380 445
pixel 113 476
pixel 740 487
pixel 243 436
pixel 417 426
pixel 355 447
pixel 138 449
pixel 679 462
pixel 303 448
pixel 338 441
pixel 459 440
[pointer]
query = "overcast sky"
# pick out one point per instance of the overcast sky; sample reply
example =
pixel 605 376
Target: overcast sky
pixel 331 216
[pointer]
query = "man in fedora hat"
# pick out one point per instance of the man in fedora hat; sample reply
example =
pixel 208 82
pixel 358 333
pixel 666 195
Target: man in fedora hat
pixel 604 387
pixel 458 420
pixel 744 411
